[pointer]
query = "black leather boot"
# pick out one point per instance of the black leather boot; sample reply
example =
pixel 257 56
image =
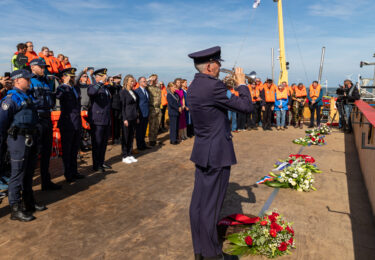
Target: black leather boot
pixel 18 214
pixel 198 257
pixel 29 202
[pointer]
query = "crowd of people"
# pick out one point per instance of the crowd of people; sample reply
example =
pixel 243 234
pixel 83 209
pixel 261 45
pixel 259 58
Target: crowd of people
pixel 118 108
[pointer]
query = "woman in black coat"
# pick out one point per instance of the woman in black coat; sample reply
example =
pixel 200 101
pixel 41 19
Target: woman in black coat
pixel 174 110
pixel 130 113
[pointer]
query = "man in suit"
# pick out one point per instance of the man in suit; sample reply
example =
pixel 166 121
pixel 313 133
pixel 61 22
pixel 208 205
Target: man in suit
pixel 213 152
pixel 143 102
pixel 99 119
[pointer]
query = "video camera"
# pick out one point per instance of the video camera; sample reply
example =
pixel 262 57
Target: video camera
pixel 342 93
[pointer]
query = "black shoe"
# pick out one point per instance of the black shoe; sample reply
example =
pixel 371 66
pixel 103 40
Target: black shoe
pixel 218 257
pixel 51 186
pixel 106 166
pixel 101 169
pixel 152 143
pixel 198 257
pixel 174 143
pixel 311 126
pixel 70 180
pixel 79 176
pixel 146 147
pixel 18 214
pixel 29 204
pixel 285 127
pixel 141 148
pixel 40 207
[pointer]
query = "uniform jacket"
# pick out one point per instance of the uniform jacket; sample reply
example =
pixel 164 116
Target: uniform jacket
pixel 173 104
pixel 100 104
pixel 209 104
pixel 70 106
pixel 143 102
pixel 129 106
pixel 42 91
pixel 115 92
pixel 154 96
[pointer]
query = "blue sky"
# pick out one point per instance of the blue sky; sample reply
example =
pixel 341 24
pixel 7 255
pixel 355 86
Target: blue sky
pixel 145 37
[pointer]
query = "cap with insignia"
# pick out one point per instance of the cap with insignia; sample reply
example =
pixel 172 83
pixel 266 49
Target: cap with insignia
pixel 100 72
pixel 69 71
pixel 38 62
pixel 211 54
pixel 119 76
pixel 21 74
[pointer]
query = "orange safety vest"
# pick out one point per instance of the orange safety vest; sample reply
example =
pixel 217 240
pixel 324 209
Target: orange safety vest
pixel 254 94
pixel 300 92
pixel 31 56
pixel 282 94
pixel 269 93
pixel 234 92
pixel 259 86
pixel 66 66
pixel 314 92
pixel 164 94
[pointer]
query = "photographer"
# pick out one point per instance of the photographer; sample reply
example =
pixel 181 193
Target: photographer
pixel 346 96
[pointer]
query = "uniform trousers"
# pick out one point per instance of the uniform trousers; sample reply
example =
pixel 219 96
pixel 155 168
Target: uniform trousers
pixel 70 142
pixel 208 196
pixel 163 110
pixel 173 128
pixel 315 109
pixel 99 139
pixel 268 115
pixel 45 148
pixel 116 124
pixel 154 123
pixel 128 138
pixel 23 161
pixel 141 132
pixel 241 121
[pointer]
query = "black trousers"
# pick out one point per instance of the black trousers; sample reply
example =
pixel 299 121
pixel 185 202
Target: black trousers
pixel 268 115
pixel 258 109
pixel 128 138
pixel 241 121
pixel 45 148
pixel 190 130
pixel 173 128
pixel 70 142
pixel 315 109
pixel 99 139
pixel 163 110
pixel 210 187
pixel 116 124
pixel 141 131
pixel 253 116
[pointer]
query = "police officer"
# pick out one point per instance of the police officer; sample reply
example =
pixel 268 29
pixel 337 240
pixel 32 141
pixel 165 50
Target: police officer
pixel 99 119
pixel 70 123
pixel 155 110
pixel 115 89
pixel 18 119
pixel 42 90
pixel 213 152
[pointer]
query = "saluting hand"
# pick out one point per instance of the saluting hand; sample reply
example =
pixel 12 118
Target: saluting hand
pixel 239 76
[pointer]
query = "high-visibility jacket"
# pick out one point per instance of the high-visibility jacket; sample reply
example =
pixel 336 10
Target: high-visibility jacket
pixel 31 56
pixel 234 92
pixel 300 92
pixel 315 92
pixel 48 61
pixel 164 94
pixel 254 94
pixel 55 64
pixel 282 94
pixel 259 86
pixel 269 93
pixel 66 66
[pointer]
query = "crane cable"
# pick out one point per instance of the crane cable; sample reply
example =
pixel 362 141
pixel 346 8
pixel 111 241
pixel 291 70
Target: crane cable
pixel 245 38
pixel 297 43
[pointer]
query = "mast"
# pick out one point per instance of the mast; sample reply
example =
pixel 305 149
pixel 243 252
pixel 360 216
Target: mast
pixel 321 65
pixel 283 71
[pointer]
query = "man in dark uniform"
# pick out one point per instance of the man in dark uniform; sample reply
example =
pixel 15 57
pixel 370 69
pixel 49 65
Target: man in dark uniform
pixel 99 119
pixel 115 89
pixel 70 123
pixel 18 120
pixel 42 90
pixel 213 152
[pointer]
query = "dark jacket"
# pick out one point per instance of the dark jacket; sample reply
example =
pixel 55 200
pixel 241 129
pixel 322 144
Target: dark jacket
pixel 173 104
pixel 115 92
pixel 100 109
pixel 129 106
pixel 209 104
pixel 70 106
pixel 143 101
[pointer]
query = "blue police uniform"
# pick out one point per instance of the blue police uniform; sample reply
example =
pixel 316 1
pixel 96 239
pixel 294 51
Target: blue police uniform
pixel 99 116
pixel 70 124
pixel 213 152
pixel 42 90
pixel 18 121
